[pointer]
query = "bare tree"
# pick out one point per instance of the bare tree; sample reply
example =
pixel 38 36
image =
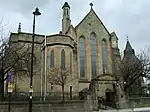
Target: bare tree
pixel 58 76
pixel 23 67
pixel 135 68
pixel 12 59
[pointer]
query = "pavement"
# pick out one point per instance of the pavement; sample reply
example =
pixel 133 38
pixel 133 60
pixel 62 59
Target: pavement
pixel 146 109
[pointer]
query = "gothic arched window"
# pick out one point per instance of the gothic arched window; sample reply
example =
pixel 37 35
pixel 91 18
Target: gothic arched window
pixel 93 55
pixel 70 62
pixel 52 58
pixel 104 56
pixel 64 12
pixel 67 12
pixel 82 60
pixel 63 59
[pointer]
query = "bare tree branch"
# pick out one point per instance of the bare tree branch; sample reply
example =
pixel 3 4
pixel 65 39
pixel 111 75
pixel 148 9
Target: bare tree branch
pixel 135 68
pixel 14 58
pixel 58 76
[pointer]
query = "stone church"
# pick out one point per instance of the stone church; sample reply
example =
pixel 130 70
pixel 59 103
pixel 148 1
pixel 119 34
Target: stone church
pixel 88 50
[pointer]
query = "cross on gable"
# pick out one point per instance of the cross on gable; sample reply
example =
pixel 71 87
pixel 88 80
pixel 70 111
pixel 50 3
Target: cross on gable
pixel 127 38
pixel 91 4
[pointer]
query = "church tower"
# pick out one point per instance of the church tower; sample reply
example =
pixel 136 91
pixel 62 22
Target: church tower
pixel 66 22
pixel 129 51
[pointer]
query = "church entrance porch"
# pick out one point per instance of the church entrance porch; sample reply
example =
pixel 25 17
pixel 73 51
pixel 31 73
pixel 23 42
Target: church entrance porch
pixel 104 91
pixel 110 98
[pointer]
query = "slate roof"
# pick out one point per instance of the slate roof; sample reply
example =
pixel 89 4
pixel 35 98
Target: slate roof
pixel 129 51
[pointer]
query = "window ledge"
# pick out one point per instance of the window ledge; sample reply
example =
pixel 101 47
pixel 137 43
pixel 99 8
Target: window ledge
pixel 84 81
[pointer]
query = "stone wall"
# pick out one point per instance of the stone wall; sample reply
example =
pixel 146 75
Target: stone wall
pixel 92 24
pixel 70 106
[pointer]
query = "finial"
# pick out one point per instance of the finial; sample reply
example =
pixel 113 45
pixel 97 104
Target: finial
pixel 91 4
pixel 127 38
pixel 19 28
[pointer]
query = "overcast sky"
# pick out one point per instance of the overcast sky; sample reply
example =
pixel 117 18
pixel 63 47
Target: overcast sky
pixel 125 17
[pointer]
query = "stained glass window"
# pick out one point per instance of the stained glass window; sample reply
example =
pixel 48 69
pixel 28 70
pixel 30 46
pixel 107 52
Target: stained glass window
pixel 63 59
pixel 93 55
pixel 104 56
pixel 52 58
pixel 82 60
pixel 70 62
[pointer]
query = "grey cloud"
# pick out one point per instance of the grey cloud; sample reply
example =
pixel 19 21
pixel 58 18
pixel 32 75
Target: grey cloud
pixel 22 6
pixel 53 17
pixel 125 17
pixel 128 18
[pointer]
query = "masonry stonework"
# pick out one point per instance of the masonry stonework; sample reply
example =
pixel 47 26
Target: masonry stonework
pixel 69 39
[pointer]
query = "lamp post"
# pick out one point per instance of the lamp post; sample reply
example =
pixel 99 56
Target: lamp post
pixel 9 90
pixel 35 13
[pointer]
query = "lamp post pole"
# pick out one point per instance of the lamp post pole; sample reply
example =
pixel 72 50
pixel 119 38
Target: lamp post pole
pixel 9 90
pixel 35 13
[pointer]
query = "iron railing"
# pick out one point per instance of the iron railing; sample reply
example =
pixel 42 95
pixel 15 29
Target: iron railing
pixel 37 96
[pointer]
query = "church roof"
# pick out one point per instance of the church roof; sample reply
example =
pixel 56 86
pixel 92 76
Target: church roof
pixel 92 11
pixel 66 5
pixel 129 51
pixel 128 46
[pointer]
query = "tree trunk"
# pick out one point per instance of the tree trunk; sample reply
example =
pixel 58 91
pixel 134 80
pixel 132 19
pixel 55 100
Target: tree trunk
pixel 1 90
pixel 63 96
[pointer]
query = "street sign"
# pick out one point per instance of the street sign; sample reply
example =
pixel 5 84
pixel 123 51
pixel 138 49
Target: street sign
pixel 10 87
pixel 31 90
pixel 10 77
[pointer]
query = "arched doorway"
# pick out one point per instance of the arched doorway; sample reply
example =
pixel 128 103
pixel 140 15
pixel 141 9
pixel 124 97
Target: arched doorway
pixel 110 97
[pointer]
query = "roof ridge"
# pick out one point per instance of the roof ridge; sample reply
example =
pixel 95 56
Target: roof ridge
pixel 96 16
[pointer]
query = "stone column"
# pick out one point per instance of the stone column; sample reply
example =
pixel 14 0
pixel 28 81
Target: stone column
pixel 99 57
pixel 67 58
pixel 87 59
pixel 76 60
pixel 109 58
pixel 57 56
pixel 88 104
pixel 95 100
pixel 122 100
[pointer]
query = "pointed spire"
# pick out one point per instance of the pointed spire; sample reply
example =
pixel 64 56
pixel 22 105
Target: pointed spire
pixel 128 49
pixel 66 5
pixel 19 28
pixel 128 45
pixel 91 4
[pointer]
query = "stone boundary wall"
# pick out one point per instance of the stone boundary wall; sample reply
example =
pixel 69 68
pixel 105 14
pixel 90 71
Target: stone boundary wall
pixel 53 106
